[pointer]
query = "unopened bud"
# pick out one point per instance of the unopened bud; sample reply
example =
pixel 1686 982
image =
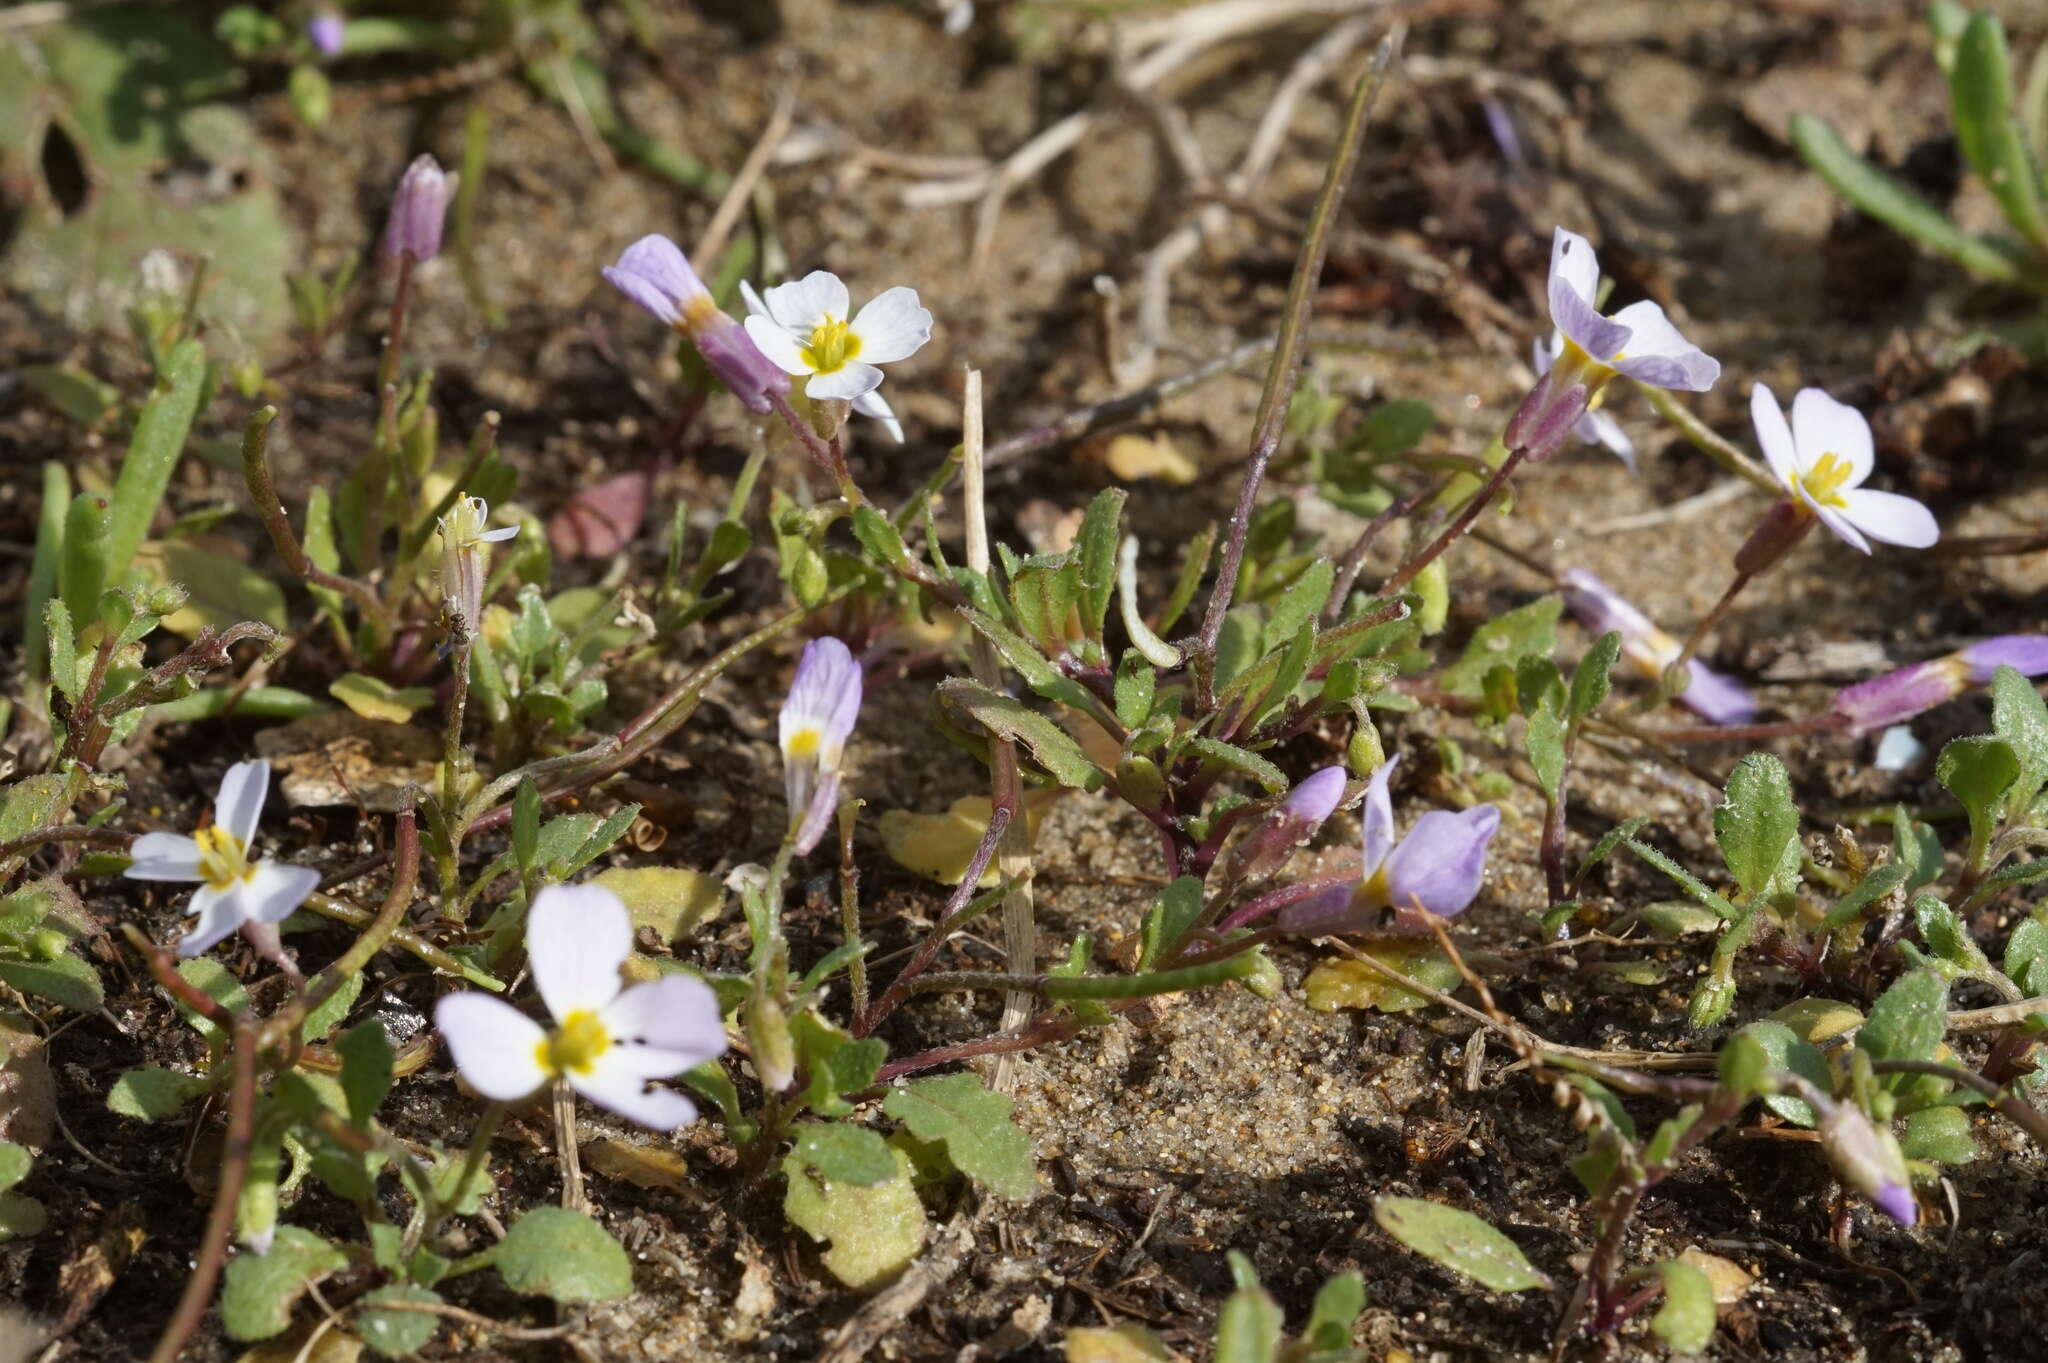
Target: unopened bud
pixel 1287 825
pixel 1783 526
pixel 1867 1158
pixel 419 210
pixel 768 1038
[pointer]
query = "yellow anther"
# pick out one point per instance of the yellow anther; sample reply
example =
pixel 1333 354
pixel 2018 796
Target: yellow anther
pixel 1824 481
pixel 833 343
pixel 574 1046
pixel 223 859
pixel 804 743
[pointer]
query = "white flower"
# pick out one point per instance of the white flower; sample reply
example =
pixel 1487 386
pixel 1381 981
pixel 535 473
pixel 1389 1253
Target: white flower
pixel 804 327
pixel 868 404
pixel 1595 427
pixel 1638 341
pixel 607 1042
pixel 235 892
pixel 1822 458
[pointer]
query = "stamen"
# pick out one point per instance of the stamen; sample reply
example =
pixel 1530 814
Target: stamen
pixel 833 343
pixel 574 1046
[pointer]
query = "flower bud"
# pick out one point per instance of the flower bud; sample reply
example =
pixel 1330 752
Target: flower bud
pixel 1919 687
pixel 419 210
pixel 768 1038
pixel 655 274
pixel 1783 526
pixel 327 32
pixel 1553 407
pixel 1867 1158
pixel 465 562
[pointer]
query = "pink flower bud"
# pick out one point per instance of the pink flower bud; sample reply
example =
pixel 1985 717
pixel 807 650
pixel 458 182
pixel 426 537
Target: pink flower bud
pixel 419 210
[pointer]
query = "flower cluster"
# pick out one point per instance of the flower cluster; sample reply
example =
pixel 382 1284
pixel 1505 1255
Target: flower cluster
pixel 235 892
pixel 608 1042
pixel 1437 868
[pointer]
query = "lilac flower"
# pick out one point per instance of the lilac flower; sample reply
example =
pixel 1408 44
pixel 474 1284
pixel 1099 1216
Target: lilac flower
pixel 1638 341
pixel 1595 427
pixel 1919 687
pixel 654 273
pixel 327 31
pixel 419 210
pixel 606 1042
pixel 465 563
pixel 806 328
pixel 236 892
pixel 1867 1158
pixel 869 404
pixel 1715 698
pixel 1822 458
pixel 824 701
pixel 1437 868
pixel 1287 825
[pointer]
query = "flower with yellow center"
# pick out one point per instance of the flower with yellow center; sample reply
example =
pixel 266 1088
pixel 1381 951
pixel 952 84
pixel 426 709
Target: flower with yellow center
pixel 824 701
pixel 234 891
pixel 809 328
pixel 1822 457
pixel 607 1041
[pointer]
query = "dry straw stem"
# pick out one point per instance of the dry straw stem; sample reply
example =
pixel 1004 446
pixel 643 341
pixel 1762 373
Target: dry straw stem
pixel 1020 926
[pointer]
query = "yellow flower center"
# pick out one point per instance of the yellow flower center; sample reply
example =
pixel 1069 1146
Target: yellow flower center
pixel 833 343
pixel 1575 365
pixel 1376 893
pixel 1823 482
pixel 804 743
pixel 223 859
pixel 574 1046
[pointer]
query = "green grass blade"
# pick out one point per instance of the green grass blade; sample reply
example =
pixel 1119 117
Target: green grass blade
pixel 1980 90
pixel 42 571
pixel 159 439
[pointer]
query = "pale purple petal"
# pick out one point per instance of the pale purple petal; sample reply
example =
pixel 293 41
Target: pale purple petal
pixel 1329 912
pixel 1573 266
pixel 496 1047
pixel 654 273
pixel 1441 864
pixel 851 380
pixel 666 1026
pixel 1774 436
pixel 1543 352
pixel 1658 354
pixel 1896 1201
pixel 1602 609
pixel 824 696
pixel 163 856
pixel 239 806
pixel 577 937
pixel 1581 322
pixel 1822 426
pixel 419 210
pixel 817 811
pixel 800 305
pixel 2025 653
pixel 659 1109
pixel 731 353
pixel 1715 698
pixel 328 32
pixel 1890 518
pixel 1378 818
pixel 892 326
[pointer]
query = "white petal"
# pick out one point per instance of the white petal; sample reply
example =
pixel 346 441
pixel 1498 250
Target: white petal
pixel 801 304
pixel 577 937
pixel 873 404
pixel 218 916
pixel 778 345
pixel 1658 354
pixel 1774 435
pixel 665 1027
pixel 1844 528
pixel 850 380
pixel 627 1094
pixel 163 856
pixel 496 1047
pixel 893 326
pixel 1573 264
pixel 502 533
pixel 270 895
pixel 1598 428
pixel 1891 518
pixel 239 806
pixel 1897 749
pixel 752 296
pixel 1821 425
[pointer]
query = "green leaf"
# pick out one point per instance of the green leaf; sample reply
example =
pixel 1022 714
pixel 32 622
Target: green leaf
pixel 1097 545
pixel 1685 1322
pixel 1590 678
pixel 1871 890
pixel 82 567
pixel 332 1010
pixel 375 698
pixel 260 1290
pixel 1459 1241
pixel 1785 1050
pixel 1687 881
pixel 1987 129
pixel 1241 760
pixel 366 1057
pixel 833 1063
pixel 2020 717
pixel 563 1254
pixel 160 432
pixel 1896 204
pixel 1938 1135
pixel 212 979
pixel 152 1094
pixel 1248 1329
pixel 1136 684
pixel 980 1137
pixel 2025 952
pixel 1757 827
pixel 874 1230
pixel 1504 640
pixel 1038 674
pixel 15 1163
pixel 1048 743
pixel 64 980
pixel 1543 700
pixel 1907 1022
pixel 395 1334
pixel 1334 1314
pixel 1978 772
pixel 1946 936
pixel 1394 427
pixel 1743 1064
pixel 844 1153
pixel 20 1217
pixel 1299 605
pixel 1176 906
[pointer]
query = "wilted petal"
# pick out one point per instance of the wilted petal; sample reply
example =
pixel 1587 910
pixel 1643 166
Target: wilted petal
pixel 577 937
pixel 1441 864
pixel 1715 698
pixel 496 1047
pixel 163 856
pixel 1902 694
